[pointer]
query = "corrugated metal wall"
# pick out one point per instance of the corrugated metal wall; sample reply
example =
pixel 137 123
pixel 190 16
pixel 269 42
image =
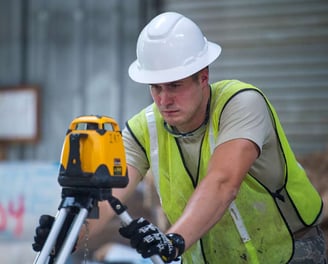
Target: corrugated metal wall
pixel 282 47
pixel 78 52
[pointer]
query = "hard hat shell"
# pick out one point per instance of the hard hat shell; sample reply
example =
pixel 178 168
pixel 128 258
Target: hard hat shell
pixel 171 47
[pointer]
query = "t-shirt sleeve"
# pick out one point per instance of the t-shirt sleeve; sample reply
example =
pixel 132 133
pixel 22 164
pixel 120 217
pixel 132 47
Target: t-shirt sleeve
pixel 135 156
pixel 245 116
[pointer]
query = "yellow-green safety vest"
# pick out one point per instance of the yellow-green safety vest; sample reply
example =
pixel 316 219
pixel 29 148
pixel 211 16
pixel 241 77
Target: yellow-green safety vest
pixel 253 230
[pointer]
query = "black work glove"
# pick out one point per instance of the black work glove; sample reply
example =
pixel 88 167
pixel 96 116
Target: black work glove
pixel 42 231
pixel 148 240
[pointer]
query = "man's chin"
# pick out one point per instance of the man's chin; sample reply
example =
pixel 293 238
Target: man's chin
pixel 171 123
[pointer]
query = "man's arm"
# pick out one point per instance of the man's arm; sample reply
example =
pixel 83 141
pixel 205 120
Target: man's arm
pixel 227 168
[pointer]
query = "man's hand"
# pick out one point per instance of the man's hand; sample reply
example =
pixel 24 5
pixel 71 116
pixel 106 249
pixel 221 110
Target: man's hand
pixel 148 240
pixel 42 231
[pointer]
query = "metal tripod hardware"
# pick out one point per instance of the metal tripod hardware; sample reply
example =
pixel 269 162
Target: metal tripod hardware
pixel 81 206
pixel 68 228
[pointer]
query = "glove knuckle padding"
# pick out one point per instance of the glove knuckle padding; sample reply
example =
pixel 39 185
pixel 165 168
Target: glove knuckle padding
pixel 36 247
pixel 148 239
pixel 42 231
pixel 46 221
pixel 132 229
pixel 148 229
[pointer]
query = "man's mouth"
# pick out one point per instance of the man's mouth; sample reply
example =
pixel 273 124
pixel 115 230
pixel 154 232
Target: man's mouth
pixel 169 112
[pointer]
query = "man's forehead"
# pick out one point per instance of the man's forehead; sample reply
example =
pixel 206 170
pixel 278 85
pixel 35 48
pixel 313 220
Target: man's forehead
pixel 170 83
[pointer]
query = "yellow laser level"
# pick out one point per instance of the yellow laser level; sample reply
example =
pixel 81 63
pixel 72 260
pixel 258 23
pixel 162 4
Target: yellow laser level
pixel 93 154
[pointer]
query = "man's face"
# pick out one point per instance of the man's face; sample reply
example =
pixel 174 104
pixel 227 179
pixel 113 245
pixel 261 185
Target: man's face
pixel 182 103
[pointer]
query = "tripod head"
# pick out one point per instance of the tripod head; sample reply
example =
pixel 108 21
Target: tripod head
pixel 93 157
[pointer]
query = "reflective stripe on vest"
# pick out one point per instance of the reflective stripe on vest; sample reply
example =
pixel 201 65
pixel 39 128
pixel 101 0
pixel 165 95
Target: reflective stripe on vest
pixel 153 144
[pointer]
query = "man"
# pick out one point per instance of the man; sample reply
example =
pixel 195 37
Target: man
pixel 227 179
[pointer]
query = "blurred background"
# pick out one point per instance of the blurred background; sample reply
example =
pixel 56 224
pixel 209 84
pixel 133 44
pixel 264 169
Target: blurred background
pixel 60 59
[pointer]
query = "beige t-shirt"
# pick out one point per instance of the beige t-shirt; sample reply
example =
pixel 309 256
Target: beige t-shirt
pixel 245 116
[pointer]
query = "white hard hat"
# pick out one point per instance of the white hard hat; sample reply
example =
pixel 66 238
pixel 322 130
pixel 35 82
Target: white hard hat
pixel 171 47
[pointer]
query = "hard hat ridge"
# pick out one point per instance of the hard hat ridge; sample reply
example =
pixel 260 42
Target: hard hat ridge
pixel 161 26
pixel 169 48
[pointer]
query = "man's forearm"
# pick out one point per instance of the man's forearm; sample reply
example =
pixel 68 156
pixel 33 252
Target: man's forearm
pixel 205 208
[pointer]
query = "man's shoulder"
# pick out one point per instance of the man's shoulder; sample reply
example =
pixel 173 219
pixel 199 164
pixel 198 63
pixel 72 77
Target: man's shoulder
pixel 230 84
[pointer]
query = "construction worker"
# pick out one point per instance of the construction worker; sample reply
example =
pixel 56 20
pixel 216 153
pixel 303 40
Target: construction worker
pixel 227 178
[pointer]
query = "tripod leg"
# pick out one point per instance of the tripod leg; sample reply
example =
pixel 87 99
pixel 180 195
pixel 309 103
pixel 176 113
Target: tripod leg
pixel 51 240
pixel 72 236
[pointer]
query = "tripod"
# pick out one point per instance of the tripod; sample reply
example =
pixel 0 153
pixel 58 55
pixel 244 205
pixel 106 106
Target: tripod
pixel 79 203
pixel 84 186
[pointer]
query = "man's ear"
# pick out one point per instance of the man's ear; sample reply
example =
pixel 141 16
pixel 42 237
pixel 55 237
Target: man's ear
pixel 203 76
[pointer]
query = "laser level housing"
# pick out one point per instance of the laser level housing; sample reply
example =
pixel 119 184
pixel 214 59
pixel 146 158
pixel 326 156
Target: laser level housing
pixel 93 154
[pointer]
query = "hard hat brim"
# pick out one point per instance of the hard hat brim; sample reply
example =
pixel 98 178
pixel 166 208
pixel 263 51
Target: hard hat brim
pixel 140 75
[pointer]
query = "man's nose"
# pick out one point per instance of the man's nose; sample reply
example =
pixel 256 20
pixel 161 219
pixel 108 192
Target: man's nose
pixel 165 97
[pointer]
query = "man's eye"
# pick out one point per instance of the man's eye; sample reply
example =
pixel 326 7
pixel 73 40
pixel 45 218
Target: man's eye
pixel 154 88
pixel 175 85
